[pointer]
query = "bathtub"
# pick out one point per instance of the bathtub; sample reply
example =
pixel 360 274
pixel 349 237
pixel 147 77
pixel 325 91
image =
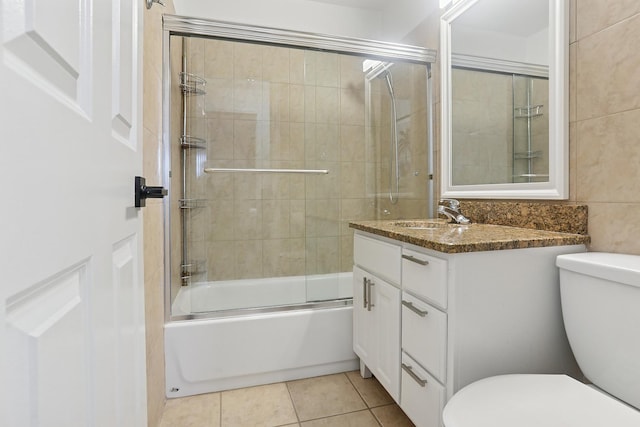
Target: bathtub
pixel 245 347
pixel 204 297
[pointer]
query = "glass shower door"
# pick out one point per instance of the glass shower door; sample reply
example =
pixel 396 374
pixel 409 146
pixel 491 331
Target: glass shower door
pixel 289 145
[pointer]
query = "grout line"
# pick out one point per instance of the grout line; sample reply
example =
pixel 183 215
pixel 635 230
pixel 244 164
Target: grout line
pixel 358 391
pixel 220 417
pixel 341 414
pixel 293 404
pixel 376 418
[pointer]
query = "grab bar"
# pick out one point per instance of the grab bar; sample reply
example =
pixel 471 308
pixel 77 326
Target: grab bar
pixel 305 171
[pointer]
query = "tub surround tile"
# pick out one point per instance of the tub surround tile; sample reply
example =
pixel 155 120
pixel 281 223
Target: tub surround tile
pixel 216 59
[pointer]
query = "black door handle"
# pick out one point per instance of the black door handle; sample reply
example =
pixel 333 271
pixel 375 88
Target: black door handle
pixel 142 192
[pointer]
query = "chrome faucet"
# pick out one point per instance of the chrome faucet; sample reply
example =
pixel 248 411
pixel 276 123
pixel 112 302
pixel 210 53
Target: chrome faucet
pixel 451 209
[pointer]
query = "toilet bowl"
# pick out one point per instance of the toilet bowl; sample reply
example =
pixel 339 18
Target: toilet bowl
pixel 600 296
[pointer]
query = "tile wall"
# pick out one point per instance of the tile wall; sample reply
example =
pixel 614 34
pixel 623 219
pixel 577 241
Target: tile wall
pixel 153 228
pixel 604 120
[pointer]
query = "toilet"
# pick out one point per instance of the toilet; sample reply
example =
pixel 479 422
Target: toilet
pixel 600 294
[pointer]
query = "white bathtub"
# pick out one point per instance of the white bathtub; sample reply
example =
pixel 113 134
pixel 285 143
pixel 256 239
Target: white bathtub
pixel 206 297
pixel 223 353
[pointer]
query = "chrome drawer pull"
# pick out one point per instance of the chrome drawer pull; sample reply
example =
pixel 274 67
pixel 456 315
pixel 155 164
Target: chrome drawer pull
pixel 413 308
pixel 413 375
pixel 414 259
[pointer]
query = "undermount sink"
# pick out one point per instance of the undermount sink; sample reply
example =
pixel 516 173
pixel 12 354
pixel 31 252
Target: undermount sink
pixel 423 224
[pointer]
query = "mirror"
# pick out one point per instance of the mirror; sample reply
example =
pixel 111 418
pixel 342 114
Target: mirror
pixel 505 99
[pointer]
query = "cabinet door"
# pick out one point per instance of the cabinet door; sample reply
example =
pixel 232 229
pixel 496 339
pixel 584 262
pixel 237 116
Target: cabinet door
pixel 363 320
pixel 386 306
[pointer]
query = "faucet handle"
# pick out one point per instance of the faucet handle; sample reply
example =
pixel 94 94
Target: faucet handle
pixel 452 203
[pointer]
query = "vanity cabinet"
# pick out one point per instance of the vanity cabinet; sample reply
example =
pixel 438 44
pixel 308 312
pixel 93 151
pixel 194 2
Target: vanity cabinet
pixel 376 308
pixel 462 317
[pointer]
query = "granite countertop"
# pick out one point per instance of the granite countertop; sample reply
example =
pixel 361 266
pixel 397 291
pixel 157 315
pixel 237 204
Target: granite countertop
pixel 453 238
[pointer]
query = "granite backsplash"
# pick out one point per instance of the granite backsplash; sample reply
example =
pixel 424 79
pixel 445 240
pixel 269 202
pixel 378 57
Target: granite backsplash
pixel 564 218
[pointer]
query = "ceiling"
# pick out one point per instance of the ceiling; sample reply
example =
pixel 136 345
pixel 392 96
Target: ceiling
pixel 361 4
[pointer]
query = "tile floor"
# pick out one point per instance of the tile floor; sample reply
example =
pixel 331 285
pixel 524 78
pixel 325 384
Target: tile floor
pixel 333 401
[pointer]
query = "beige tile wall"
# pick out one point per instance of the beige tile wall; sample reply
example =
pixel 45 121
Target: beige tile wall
pixel 605 112
pixel 153 213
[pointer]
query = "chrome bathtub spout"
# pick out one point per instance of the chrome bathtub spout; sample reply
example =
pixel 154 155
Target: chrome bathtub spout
pixel 451 209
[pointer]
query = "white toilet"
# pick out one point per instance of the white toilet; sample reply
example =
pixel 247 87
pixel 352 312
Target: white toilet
pixel 600 294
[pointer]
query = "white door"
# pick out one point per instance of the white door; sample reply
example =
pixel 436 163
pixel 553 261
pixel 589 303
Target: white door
pixel 71 291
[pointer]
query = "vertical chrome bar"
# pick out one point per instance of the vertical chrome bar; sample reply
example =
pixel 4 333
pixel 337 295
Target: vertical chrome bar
pixel 185 272
pixel 370 284
pixel 430 149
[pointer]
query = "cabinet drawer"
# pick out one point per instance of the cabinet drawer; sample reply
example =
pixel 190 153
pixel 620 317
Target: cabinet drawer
pixel 378 257
pixel 425 276
pixel 424 335
pixel 422 397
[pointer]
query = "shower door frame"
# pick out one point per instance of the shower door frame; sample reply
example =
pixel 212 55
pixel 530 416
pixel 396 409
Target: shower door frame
pixel 174 25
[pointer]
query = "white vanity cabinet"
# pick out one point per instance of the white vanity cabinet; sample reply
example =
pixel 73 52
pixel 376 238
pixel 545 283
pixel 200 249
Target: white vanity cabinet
pixel 464 316
pixel 376 308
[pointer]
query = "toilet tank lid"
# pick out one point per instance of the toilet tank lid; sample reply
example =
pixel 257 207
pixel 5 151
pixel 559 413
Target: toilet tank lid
pixel 620 268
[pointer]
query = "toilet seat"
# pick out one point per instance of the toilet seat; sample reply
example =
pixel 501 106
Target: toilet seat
pixel 536 401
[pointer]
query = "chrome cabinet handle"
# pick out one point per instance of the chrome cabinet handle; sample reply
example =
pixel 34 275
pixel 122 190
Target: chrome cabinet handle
pixel 370 284
pixel 415 309
pixel 364 292
pixel 414 259
pixel 413 375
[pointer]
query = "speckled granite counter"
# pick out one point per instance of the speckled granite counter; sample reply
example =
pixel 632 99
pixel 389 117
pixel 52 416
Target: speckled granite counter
pixel 451 238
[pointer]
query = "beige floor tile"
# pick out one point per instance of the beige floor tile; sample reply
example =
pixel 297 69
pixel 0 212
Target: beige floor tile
pixel 324 396
pixel 370 390
pixel 194 411
pixel 391 416
pixel 354 419
pixel 267 405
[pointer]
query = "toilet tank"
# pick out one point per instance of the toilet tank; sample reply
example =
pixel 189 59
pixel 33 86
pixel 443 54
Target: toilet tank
pixel 600 294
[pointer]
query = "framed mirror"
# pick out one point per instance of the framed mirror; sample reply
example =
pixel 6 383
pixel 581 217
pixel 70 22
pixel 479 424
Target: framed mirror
pixel 505 99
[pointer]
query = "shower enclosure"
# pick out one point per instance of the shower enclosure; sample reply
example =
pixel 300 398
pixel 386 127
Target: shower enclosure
pixel 275 140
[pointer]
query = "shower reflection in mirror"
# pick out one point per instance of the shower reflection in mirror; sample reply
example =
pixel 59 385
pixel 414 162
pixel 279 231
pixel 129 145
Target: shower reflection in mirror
pixel 500 131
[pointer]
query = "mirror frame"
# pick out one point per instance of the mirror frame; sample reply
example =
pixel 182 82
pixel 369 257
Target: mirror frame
pixel 558 185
